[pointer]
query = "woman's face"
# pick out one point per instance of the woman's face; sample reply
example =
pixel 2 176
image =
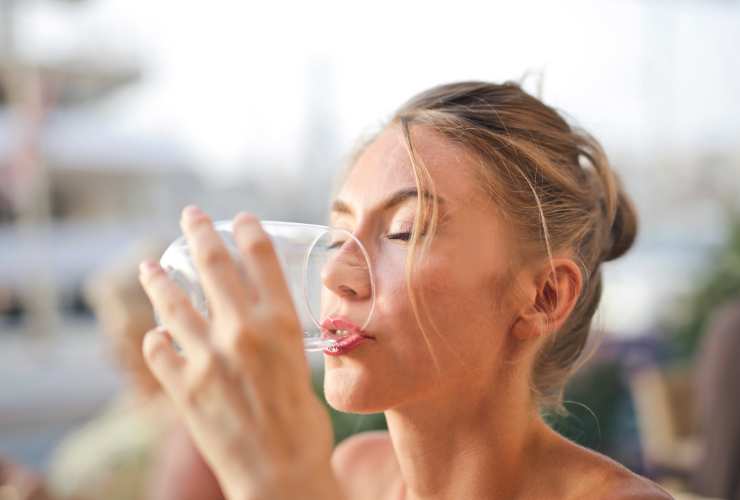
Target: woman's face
pixel 462 280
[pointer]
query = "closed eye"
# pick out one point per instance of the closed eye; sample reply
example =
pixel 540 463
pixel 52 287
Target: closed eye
pixel 405 236
pixel 335 245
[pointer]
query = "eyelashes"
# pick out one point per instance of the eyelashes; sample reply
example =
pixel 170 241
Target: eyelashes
pixel 401 236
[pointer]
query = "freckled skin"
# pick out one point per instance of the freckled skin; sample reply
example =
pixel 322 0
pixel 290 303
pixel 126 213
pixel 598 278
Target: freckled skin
pixel 458 279
pixel 457 398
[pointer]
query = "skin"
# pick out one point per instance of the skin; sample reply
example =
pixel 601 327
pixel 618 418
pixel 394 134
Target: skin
pixel 461 417
pixel 241 411
pixel 466 427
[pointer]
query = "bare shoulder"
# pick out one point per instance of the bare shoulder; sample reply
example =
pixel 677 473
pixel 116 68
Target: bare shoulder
pixel 579 473
pixel 626 485
pixel 365 463
pixel 610 480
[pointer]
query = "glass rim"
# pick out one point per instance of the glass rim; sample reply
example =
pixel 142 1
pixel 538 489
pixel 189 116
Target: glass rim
pixel 369 272
pixel 228 225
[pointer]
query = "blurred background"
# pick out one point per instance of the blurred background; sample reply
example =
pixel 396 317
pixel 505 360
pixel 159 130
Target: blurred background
pixel 114 114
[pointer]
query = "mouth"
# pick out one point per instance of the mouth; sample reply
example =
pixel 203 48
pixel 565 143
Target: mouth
pixel 338 327
pixel 346 335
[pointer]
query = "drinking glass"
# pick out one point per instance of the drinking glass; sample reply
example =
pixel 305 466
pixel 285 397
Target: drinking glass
pixel 307 252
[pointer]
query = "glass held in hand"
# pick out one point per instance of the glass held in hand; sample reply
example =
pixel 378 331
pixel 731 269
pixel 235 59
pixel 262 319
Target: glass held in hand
pixel 320 265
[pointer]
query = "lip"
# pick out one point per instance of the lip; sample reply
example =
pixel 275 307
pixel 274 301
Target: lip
pixel 345 344
pixel 333 323
pixel 342 343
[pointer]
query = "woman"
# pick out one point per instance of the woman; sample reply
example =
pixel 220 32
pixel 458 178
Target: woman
pixel 486 217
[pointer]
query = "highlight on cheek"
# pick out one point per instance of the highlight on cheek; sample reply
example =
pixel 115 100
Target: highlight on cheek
pixel 426 216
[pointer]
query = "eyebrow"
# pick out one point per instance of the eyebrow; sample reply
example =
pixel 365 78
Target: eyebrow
pixel 342 207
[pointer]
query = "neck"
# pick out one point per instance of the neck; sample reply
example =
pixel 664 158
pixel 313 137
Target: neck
pixel 467 445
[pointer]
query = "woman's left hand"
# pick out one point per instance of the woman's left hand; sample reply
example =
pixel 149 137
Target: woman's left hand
pixel 242 384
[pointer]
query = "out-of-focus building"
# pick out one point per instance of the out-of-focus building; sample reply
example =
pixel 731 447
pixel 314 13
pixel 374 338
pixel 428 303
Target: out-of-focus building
pixel 93 172
pixel 74 191
pixel 70 182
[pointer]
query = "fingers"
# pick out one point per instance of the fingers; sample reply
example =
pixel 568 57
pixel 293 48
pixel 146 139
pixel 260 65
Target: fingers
pixel 235 320
pixel 163 360
pixel 200 387
pixel 175 310
pixel 261 261
pixel 219 274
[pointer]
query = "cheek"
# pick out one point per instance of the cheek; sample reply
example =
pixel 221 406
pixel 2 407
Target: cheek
pixel 448 296
pixel 464 303
pixel 458 296
pixel 393 306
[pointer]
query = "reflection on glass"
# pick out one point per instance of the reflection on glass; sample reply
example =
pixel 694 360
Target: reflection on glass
pixel 327 271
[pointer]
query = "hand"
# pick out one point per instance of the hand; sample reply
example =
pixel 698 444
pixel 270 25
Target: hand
pixel 19 483
pixel 242 384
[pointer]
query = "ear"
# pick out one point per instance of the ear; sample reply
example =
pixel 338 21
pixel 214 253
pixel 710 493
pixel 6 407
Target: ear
pixel 551 294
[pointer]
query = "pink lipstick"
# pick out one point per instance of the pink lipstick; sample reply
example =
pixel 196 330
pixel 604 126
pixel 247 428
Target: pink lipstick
pixel 346 334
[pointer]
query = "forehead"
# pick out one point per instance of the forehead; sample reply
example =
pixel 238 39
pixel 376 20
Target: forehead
pixel 384 167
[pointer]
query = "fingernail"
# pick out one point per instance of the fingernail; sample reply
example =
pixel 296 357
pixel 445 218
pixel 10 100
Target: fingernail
pixel 192 211
pixel 244 218
pixel 148 267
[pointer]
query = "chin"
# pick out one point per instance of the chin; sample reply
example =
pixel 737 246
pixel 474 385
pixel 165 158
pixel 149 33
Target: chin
pixel 352 391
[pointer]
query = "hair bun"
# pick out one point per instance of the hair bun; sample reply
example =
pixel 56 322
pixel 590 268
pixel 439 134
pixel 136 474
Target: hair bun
pixel 624 227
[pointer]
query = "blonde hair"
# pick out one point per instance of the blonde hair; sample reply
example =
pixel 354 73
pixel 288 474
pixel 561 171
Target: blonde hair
pixel 552 180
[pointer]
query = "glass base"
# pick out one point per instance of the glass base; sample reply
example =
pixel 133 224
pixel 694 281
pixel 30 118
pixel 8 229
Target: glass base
pixel 315 345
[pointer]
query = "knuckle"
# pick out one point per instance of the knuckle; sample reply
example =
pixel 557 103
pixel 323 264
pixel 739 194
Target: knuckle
pixel 152 347
pixel 243 340
pixel 215 255
pixel 203 374
pixel 176 305
pixel 154 279
pixel 257 245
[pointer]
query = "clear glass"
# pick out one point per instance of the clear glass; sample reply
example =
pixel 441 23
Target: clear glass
pixel 308 254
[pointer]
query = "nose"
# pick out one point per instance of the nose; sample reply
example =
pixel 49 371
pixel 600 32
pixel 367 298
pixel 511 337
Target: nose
pixel 346 272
